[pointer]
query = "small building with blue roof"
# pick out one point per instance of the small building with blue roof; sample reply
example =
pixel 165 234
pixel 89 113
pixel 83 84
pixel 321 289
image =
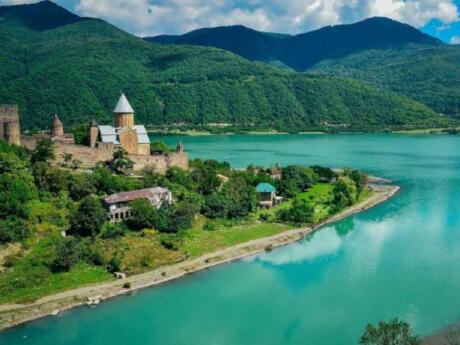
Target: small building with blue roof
pixel 267 194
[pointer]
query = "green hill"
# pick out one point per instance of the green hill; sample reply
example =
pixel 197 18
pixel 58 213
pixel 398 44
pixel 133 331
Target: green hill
pixel 427 74
pixel 380 51
pixel 78 69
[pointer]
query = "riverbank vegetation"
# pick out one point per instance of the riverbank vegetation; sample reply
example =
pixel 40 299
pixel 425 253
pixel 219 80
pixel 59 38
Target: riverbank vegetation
pixel 214 207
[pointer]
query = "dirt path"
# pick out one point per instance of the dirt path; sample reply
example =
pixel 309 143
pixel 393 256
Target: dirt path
pixel 15 314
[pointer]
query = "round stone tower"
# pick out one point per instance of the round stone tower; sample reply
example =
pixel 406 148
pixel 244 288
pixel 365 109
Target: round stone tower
pixel 93 133
pixel 12 133
pixel 58 128
pixel 123 113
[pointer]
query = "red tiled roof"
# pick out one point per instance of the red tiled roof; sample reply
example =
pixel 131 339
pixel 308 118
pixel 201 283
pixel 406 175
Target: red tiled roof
pixel 135 194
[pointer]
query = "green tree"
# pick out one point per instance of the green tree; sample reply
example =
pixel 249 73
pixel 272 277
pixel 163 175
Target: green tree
pixel 13 229
pixel 358 177
pixel 183 216
pixel 241 196
pixel 67 253
pixel 89 217
pixel 159 148
pixel 121 163
pixel 296 179
pixel 204 180
pixel 345 192
pixel 81 185
pixel 143 215
pixel 394 332
pixel 81 133
pixel 44 151
pixel 16 186
pixel 300 212
pixel 216 205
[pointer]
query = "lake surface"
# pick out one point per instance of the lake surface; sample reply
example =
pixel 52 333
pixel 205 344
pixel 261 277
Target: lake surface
pixel 398 259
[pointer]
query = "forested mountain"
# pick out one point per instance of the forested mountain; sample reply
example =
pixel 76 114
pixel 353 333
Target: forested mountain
pixel 303 51
pixel 78 68
pixel 380 51
pixel 430 75
pixel 44 15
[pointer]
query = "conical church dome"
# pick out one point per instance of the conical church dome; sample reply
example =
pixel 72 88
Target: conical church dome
pixel 123 106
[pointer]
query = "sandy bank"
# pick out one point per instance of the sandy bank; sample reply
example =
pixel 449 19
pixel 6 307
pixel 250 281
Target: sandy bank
pixel 15 314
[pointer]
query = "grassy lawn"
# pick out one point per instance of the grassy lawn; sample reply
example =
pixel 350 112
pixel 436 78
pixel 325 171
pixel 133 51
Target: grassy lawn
pixel 198 241
pixel 42 283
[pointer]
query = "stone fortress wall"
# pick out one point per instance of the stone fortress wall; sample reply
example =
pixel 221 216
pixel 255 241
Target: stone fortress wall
pixel 137 144
pixel 9 124
pixel 89 156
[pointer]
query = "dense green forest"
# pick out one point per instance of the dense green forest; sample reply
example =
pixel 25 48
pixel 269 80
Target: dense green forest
pixel 78 71
pixel 381 51
pixel 430 75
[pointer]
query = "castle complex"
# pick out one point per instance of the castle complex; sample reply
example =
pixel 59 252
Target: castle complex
pixel 103 140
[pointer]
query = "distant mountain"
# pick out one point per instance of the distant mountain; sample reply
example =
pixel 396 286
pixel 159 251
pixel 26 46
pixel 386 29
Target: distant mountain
pixel 44 15
pixel 77 68
pixel 248 43
pixel 379 51
pixel 303 51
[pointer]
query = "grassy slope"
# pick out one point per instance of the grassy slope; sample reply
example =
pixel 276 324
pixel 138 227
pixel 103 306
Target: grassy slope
pixel 79 70
pixel 430 75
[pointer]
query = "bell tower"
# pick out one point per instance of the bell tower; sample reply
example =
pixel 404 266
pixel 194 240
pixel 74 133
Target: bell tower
pixel 123 113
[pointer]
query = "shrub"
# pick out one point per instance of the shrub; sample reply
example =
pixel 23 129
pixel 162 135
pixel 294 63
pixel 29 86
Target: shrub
pixel 89 217
pixel 13 229
pixel 68 252
pixel 114 264
pixel 113 230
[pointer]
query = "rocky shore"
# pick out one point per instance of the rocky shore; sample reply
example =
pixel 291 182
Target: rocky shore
pixel 15 314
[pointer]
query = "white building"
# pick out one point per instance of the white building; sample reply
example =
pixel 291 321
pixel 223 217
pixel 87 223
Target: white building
pixel 117 204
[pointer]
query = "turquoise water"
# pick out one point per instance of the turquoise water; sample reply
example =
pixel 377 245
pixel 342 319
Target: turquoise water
pixel 398 259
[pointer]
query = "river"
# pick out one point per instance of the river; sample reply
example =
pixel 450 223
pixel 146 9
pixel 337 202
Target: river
pixel 398 259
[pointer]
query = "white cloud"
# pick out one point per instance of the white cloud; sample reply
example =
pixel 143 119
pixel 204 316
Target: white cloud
pixel 151 17
pixel 455 40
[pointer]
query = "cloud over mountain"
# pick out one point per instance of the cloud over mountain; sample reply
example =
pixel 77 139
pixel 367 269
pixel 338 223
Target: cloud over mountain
pixel 152 17
pixel 177 16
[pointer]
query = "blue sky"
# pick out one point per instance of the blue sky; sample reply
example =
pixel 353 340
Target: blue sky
pixel 439 18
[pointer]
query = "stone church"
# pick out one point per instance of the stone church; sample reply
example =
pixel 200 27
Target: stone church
pixel 103 140
pixel 133 138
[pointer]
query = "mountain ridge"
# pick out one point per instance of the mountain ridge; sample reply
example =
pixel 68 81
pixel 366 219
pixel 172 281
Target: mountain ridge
pixel 78 70
pixel 303 51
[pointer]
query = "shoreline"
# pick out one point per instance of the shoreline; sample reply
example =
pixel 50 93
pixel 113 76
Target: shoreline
pixel 12 315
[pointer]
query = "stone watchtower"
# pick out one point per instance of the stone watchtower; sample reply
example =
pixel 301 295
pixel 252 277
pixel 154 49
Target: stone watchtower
pixel 93 133
pixel 58 128
pixel 9 124
pixel 123 113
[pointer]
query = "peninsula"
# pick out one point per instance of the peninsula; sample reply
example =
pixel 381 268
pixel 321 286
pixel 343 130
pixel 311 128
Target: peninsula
pixel 216 214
